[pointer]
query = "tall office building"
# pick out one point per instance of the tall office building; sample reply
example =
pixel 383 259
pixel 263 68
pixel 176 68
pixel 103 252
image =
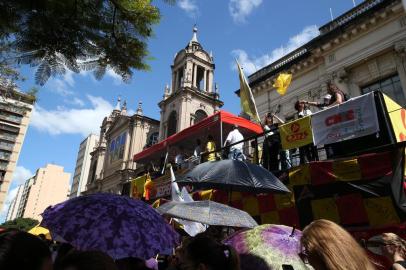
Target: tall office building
pixel 15 113
pixel 15 203
pixel 83 165
pixel 49 186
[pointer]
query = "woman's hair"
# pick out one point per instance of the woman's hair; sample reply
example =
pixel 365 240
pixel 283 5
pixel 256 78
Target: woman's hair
pixel 334 246
pixel 216 256
pixel 21 250
pixel 397 241
pixel 297 105
pixel 210 138
pixel 268 116
pixel 86 260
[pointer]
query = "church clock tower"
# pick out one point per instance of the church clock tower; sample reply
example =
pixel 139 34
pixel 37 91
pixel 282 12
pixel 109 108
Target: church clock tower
pixel 192 95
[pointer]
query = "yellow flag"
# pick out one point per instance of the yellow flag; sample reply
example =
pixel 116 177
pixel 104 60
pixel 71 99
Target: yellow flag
pixel 282 83
pixel 246 97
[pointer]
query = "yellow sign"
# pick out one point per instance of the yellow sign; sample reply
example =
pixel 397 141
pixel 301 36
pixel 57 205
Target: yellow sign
pixel 296 133
pixel 137 187
pixel 397 116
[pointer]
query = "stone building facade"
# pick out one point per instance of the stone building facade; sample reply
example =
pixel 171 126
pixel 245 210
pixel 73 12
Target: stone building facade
pixel 360 51
pixel 191 97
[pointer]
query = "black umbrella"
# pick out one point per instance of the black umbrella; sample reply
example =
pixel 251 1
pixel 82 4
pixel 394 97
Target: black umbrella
pixel 233 175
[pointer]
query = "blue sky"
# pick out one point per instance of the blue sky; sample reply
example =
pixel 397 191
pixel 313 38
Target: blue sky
pixel 256 32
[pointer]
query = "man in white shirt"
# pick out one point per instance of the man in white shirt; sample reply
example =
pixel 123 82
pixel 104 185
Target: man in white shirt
pixel 235 150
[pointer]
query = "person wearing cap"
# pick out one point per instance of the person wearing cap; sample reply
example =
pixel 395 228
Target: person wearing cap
pixel 334 97
pixel 235 149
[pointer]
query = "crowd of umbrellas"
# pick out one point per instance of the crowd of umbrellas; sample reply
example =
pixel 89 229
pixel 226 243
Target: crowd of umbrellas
pixel 124 227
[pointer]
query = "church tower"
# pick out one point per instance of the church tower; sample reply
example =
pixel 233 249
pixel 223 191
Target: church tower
pixel 192 95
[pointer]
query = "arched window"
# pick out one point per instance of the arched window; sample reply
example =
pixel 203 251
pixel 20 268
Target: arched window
pixel 152 139
pixel 199 116
pixel 172 123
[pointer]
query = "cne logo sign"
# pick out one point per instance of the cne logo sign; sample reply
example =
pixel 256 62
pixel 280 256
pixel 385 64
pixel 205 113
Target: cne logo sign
pixel 340 118
pixel 297 135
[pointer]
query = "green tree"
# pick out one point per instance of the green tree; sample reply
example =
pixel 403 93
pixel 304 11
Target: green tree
pixel 95 35
pixel 24 224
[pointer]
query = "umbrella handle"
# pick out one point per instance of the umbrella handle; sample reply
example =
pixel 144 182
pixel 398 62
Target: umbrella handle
pixel 293 232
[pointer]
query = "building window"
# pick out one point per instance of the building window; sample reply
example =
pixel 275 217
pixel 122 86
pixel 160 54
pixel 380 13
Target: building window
pixel 172 123
pixel 116 147
pixel 390 86
pixel 199 116
pixel 152 139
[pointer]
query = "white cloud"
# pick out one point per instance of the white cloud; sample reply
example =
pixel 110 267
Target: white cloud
pixel 72 121
pixel 20 175
pixel 75 101
pixel 189 6
pixel 117 80
pixel 252 64
pixel 241 9
pixel 61 85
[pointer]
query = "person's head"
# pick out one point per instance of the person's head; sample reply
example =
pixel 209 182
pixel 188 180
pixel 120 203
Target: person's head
pixel 235 126
pixel 268 119
pixel 21 250
pixel 198 142
pixel 393 245
pixel 299 106
pixel 204 253
pixel 332 88
pixel 325 245
pixel 86 260
pixel 210 138
pixel 254 143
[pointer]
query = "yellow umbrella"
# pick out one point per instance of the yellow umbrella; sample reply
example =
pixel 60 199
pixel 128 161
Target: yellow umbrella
pixel 37 230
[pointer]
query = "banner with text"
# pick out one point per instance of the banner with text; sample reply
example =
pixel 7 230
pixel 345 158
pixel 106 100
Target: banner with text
pixel 296 133
pixel 352 119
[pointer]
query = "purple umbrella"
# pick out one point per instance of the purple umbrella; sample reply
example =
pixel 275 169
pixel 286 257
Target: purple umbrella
pixel 117 225
pixel 268 247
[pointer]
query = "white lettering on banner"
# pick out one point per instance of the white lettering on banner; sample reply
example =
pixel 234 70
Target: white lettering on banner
pixel 352 119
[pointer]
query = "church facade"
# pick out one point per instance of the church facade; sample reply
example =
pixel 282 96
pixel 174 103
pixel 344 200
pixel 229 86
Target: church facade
pixel 191 97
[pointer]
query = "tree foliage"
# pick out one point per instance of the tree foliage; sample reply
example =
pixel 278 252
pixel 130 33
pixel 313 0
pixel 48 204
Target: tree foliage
pixel 24 224
pixel 90 35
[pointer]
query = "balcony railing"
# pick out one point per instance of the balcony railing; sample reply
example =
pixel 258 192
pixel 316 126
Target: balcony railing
pixel 9 128
pixel 11 108
pixel 3 166
pixel 8 137
pixel 6 146
pixel 11 118
pixel 5 156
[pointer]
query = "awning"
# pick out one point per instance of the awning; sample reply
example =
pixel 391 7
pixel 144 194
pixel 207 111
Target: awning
pixel 187 137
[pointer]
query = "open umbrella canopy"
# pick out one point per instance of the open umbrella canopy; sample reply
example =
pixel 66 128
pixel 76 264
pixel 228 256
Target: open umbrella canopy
pixel 275 245
pixel 117 225
pixel 208 212
pixel 233 175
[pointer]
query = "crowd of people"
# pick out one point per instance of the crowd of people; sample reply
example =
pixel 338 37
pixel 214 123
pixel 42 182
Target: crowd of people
pixel 324 245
